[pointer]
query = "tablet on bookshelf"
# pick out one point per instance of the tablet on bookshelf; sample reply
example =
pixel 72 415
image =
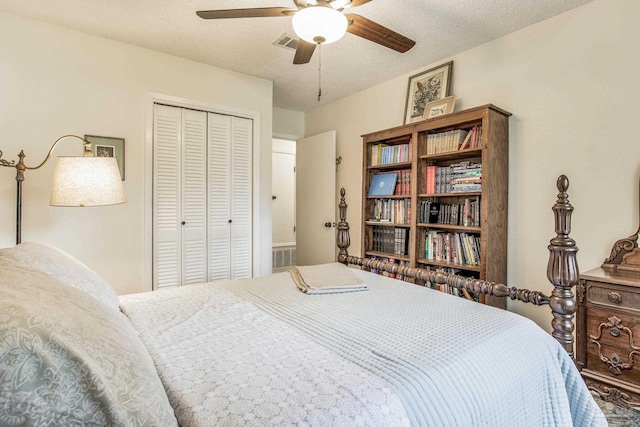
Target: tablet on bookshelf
pixel 383 184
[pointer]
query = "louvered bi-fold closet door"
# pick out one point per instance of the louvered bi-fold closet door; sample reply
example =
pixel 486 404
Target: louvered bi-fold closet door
pixel 194 197
pixel 241 198
pixel 230 197
pixel 179 192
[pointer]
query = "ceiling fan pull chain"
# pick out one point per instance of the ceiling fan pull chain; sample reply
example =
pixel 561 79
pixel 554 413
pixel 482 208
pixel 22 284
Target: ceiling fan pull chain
pixel 319 71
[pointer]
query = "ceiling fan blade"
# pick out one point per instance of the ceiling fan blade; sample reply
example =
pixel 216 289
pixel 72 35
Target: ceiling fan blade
pixel 304 52
pixel 259 12
pixel 356 3
pixel 376 33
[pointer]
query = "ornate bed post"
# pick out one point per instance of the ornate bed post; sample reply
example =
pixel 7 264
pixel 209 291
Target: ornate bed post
pixel 562 270
pixel 343 230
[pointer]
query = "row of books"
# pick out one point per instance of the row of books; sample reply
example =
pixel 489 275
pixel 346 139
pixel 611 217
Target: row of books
pixel 454 140
pixel 403 183
pixel 452 290
pixel 458 177
pixel 397 211
pixel 383 154
pixel 457 248
pixel 391 275
pixel 465 213
pixel 391 240
pixel 445 142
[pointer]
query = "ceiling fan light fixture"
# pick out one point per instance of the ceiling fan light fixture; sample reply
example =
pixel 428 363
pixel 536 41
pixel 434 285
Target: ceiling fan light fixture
pixel 319 24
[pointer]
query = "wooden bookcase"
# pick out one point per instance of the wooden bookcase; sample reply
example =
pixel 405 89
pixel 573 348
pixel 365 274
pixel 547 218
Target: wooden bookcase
pixel 489 261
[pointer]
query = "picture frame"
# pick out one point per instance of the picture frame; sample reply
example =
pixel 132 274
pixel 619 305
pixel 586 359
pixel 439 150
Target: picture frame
pixel 107 146
pixel 439 108
pixel 427 86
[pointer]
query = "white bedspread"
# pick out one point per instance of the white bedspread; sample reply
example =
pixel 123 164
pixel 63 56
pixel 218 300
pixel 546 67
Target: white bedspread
pixel 259 352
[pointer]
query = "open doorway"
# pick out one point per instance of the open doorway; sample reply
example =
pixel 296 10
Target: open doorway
pixel 283 204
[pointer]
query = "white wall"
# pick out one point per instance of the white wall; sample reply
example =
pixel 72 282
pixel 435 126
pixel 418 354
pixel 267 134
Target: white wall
pixel 571 84
pixel 55 81
pixel 288 124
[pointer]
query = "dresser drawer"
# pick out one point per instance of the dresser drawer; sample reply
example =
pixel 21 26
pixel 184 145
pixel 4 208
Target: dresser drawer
pixel 613 344
pixel 607 295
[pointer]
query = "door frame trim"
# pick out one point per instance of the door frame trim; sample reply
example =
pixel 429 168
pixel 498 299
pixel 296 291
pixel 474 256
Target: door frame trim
pixel 182 102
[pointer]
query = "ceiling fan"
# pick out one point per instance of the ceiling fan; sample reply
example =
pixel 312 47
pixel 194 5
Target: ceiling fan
pixel 321 22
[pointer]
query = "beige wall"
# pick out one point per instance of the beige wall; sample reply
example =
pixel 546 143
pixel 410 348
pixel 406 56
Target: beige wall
pixel 571 83
pixel 288 124
pixel 55 81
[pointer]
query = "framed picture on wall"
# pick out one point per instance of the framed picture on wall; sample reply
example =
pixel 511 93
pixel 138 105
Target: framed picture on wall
pixel 424 87
pixel 439 108
pixel 106 146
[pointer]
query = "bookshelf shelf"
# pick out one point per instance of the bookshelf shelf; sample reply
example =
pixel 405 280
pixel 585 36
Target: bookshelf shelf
pixel 466 267
pixel 387 255
pixel 403 165
pixel 450 227
pixel 478 176
pixel 388 224
pixel 395 196
pixel 456 194
pixel 454 155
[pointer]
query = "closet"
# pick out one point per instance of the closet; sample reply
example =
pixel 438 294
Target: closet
pixel 202 196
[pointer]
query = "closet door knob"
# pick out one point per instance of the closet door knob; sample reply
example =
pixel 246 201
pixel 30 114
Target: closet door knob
pixel 183 222
pixel 230 221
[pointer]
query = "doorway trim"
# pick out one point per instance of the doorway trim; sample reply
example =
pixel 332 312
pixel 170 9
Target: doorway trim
pixel 177 101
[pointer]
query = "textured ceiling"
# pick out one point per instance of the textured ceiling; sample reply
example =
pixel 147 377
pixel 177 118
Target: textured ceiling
pixel 441 28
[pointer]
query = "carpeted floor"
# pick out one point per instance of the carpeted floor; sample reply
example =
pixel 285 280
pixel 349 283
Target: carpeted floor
pixel 619 416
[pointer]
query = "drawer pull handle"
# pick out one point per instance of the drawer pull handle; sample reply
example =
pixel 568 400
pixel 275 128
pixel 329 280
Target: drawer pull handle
pixel 615 297
pixel 614 361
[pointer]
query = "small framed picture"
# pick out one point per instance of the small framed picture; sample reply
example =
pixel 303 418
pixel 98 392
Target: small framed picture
pixel 424 87
pixel 106 146
pixel 439 108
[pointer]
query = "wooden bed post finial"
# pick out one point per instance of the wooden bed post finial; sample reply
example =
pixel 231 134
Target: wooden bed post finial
pixel 343 230
pixel 562 269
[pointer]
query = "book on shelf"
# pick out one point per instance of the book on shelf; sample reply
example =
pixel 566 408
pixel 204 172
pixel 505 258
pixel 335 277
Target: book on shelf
pixel 476 137
pixel 383 184
pixel 445 142
pixel 467 140
pixel 454 140
pixel 403 183
pixel 429 212
pixel 397 211
pixel 430 179
pixel 455 248
pixel 463 213
pixel 452 290
pixel 386 154
pixel 458 177
pixel 391 240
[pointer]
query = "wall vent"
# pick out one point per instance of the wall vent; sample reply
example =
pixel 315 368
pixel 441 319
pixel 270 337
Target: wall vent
pixel 287 41
pixel 283 258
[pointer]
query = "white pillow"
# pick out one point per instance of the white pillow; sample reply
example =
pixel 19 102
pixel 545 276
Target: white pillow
pixel 63 267
pixel 65 360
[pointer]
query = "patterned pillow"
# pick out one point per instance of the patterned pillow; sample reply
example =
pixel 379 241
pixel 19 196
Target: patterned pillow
pixel 65 360
pixel 63 267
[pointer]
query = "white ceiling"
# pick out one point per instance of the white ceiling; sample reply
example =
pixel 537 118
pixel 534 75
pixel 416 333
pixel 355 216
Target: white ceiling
pixel 441 28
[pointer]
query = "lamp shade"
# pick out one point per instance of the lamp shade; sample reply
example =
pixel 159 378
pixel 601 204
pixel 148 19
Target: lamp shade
pixel 86 181
pixel 319 24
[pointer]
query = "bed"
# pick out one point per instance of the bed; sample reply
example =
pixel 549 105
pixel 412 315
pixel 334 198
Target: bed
pixel 261 352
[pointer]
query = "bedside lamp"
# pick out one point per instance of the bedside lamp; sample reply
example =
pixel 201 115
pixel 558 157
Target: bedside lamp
pixel 77 181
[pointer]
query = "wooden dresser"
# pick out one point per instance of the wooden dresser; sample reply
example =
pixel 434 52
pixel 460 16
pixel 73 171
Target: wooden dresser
pixel 608 325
